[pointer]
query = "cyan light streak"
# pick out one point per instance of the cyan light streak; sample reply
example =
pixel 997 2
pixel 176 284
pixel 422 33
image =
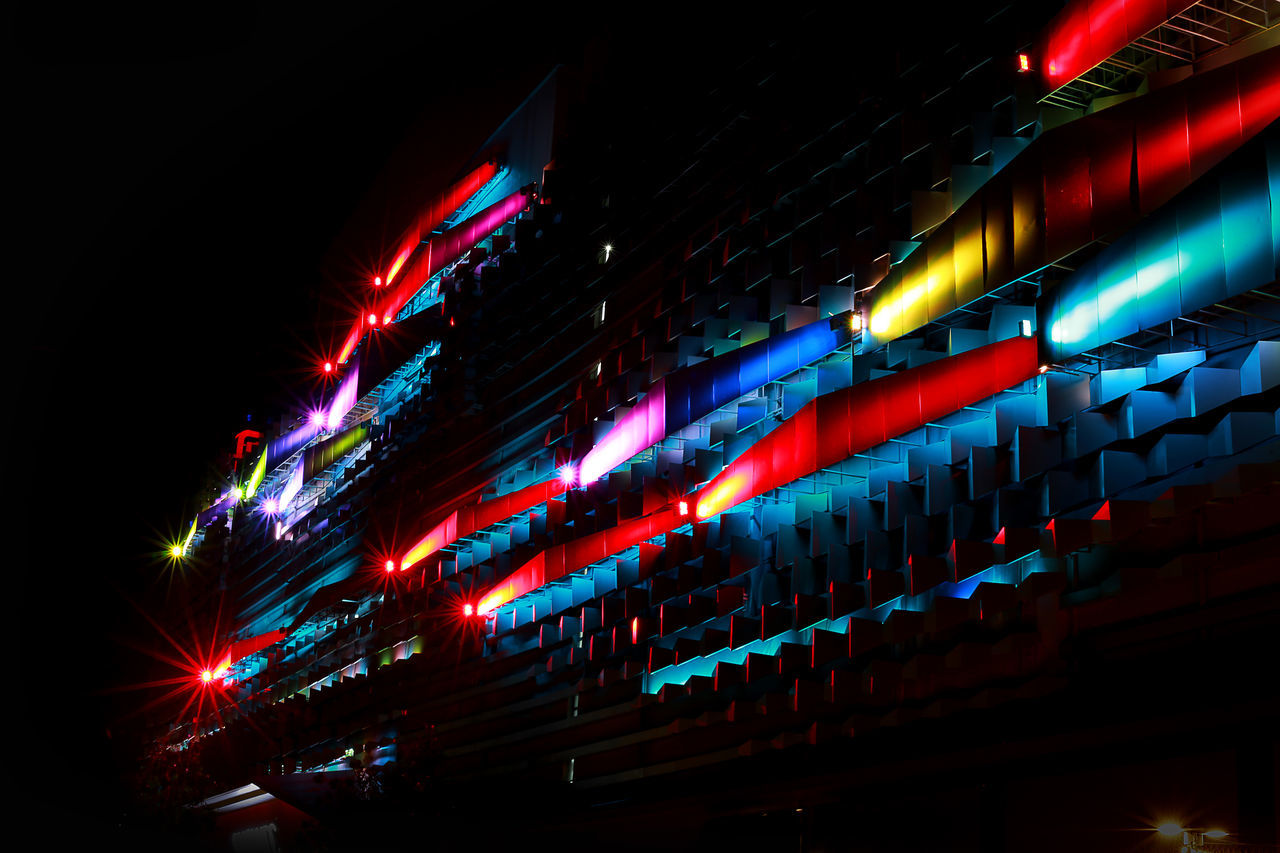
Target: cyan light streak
pixel 1215 240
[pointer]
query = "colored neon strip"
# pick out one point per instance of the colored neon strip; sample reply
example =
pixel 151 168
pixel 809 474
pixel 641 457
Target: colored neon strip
pixel 286 445
pixel 1087 32
pixel 324 454
pixel 291 488
pixel 211 512
pixel 241 649
pixel 561 560
pixel 1219 238
pixel 640 428
pixel 345 398
pixel 679 399
pixel 1073 186
pixel 442 250
pixel 434 214
pixel 255 478
pixel 835 426
pixel 186 543
pixel 446 248
pixel 469 519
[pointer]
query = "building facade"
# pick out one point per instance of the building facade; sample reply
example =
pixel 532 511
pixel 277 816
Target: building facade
pixel 848 454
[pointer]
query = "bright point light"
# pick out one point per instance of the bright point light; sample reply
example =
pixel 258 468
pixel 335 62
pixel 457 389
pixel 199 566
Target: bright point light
pixel 328 367
pixel 568 474
pixel 390 565
pixel 271 506
pixel 1169 829
pixel 608 250
pixel 206 676
pixel 176 552
pixel 1024 328
pixel 386 321
pixel 855 322
pixel 468 609
pixel 1024 62
pixel 684 507
pixel 237 493
pixel 317 418
pixel 373 319
pixel 377 281
pixel 1044 368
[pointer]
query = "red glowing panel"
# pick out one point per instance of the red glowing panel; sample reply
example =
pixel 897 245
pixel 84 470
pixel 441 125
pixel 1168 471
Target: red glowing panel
pixel 435 212
pixel 1086 32
pixel 469 519
pixel 446 248
pixel 349 345
pixel 867 415
pixel 560 560
pixel 1024 62
pixel 527 578
pixel 398 263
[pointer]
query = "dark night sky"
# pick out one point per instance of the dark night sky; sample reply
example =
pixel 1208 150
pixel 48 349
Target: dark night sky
pixel 193 193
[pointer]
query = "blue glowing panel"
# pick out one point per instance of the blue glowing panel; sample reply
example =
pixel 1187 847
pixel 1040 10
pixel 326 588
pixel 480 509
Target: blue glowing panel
pixel 1272 145
pixel 1214 241
pixel 1117 285
pixel 1158 278
pixel 1201 266
pixel 753 366
pixel 1246 211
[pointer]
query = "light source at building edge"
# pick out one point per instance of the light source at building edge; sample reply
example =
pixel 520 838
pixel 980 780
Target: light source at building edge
pixel 568 474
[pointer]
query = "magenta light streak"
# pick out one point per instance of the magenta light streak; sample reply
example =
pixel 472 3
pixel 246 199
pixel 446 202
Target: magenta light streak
pixel 345 398
pixel 639 429
pixel 446 248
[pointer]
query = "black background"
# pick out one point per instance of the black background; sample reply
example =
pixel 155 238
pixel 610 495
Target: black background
pixel 194 193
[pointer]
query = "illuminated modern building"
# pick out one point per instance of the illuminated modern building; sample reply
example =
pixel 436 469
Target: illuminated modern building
pixel 797 465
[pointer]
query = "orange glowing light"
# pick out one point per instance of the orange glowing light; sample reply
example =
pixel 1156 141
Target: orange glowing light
pixel 727 494
pixel 419 551
pixel 399 262
pixel 1024 62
